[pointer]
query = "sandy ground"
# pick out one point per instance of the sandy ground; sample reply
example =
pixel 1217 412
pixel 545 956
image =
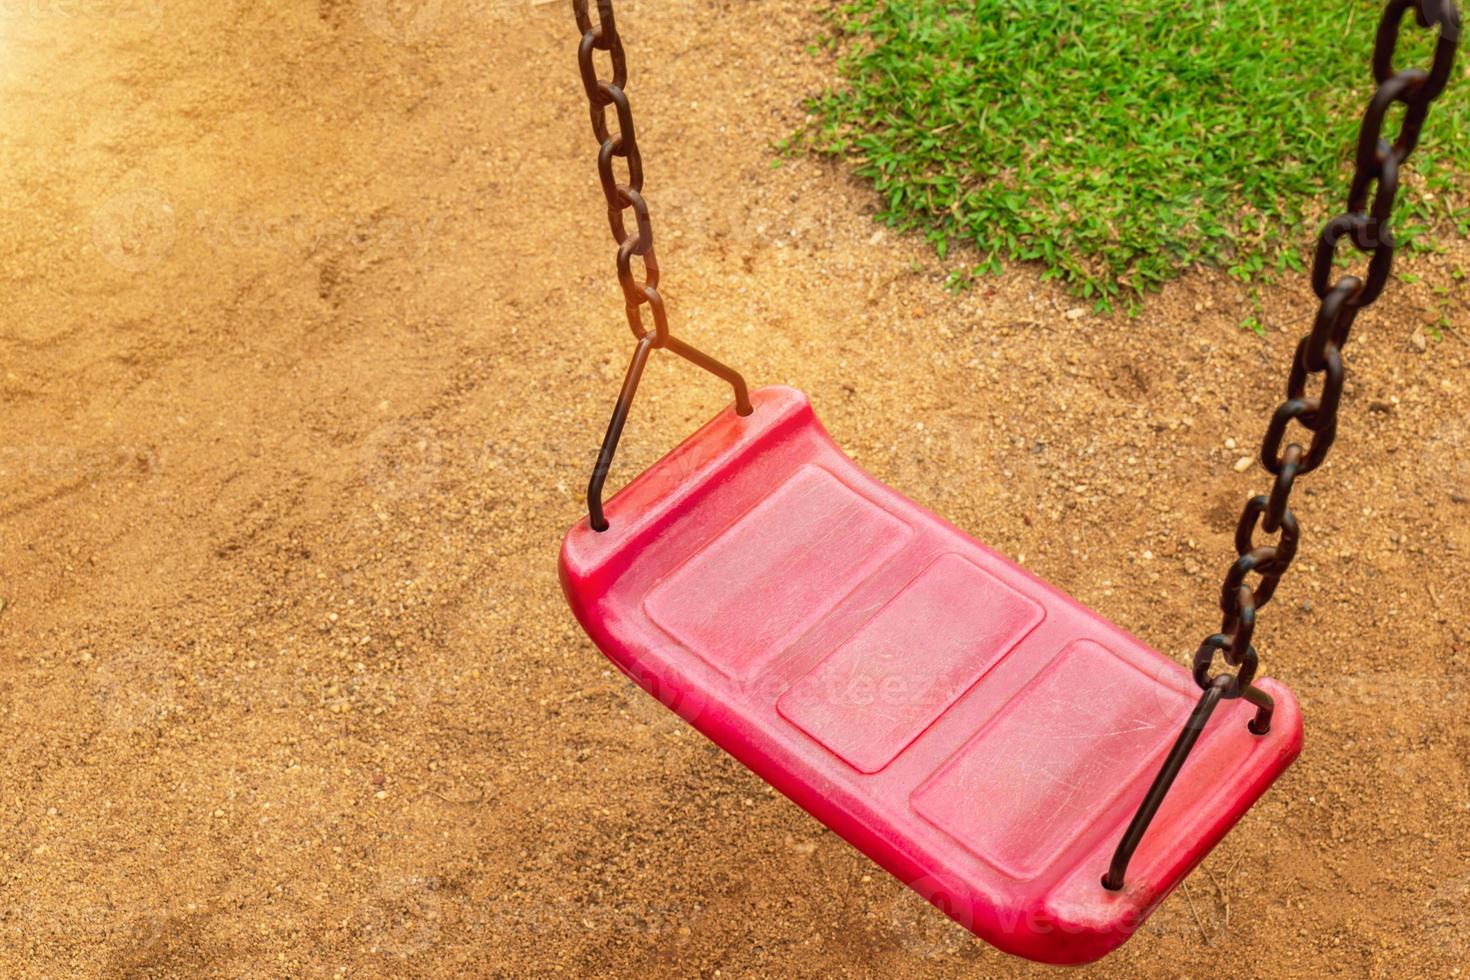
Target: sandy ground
pixel 310 336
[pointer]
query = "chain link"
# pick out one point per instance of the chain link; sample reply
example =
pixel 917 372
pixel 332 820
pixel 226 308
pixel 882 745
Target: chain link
pixel 621 144
pixel 1318 358
pixel 636 242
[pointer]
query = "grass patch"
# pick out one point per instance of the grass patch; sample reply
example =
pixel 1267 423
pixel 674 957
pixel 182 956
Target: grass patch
pixel 1121 142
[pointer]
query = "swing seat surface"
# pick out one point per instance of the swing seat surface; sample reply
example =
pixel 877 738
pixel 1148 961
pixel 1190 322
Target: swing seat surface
pixel 982 736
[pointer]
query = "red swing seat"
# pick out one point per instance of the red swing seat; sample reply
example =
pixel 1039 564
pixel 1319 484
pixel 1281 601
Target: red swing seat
pixel 980 735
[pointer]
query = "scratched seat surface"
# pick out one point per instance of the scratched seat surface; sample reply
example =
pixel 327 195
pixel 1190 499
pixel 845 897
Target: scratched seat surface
pixel 977 733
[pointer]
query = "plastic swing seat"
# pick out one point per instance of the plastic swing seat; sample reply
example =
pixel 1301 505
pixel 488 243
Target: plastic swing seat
pixel 980 735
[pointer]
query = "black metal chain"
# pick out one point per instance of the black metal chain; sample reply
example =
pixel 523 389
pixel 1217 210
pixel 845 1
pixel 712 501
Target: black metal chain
pixel 622 197
pixel 1318 358
pixel 1319 354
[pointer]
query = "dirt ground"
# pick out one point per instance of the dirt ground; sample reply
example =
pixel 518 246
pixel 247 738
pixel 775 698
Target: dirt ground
pixel 311 333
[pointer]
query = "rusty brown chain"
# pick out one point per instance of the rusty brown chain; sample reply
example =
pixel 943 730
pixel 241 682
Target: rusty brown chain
pixel 1318 356
pixel 601 95
pixel 621 198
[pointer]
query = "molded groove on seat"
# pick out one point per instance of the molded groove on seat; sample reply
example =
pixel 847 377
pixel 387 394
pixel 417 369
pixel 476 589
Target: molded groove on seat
pixel 889 681
pixel 1036 777
pixel 976 732
pixel 744 597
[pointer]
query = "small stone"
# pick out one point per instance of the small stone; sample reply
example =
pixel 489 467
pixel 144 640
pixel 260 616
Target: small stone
pixel 381 794
pixel 1229 443
pixel 1076 313
pixel 1306 606
pixel 1418 340
pixel 1244 463
pixel 218 814
pixel 1459 498
pixel 379 779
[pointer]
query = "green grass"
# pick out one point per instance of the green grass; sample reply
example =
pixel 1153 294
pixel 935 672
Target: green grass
pixel 1121 142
